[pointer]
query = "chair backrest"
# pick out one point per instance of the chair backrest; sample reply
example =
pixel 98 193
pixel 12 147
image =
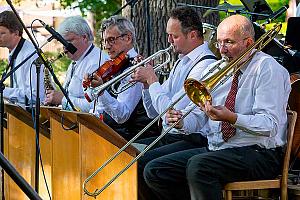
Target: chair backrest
pixel 292 118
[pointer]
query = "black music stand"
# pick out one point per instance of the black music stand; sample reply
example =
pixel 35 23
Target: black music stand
pixel 292 33
pixel 292 39
pixel 257 6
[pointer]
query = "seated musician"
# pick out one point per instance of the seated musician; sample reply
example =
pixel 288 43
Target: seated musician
pixel 123 112
pixel 23 80
pixel 244 124
pixel 86 59
pixel 185 33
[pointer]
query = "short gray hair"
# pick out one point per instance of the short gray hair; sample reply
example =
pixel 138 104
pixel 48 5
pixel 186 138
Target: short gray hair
pixel 123 25
pixel 76 25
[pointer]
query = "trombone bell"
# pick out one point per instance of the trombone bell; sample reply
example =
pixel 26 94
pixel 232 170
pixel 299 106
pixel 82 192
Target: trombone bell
pixel 197 91
pixel 200 91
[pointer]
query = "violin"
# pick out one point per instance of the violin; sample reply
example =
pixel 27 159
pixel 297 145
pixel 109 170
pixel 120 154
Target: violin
pixel 109 69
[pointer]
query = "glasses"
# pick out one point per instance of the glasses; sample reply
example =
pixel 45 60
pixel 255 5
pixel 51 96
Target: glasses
pixel 227 43
pixel 112 40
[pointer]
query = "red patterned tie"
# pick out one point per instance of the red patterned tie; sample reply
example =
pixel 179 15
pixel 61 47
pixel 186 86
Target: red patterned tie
pixel 227 130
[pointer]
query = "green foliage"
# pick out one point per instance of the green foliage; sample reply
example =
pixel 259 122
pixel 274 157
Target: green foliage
pixel 274 5
pixel 100 8
pixel 3 65
pixel 59 65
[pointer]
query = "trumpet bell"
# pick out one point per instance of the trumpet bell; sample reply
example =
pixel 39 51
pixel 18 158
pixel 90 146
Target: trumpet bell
pixel 197 91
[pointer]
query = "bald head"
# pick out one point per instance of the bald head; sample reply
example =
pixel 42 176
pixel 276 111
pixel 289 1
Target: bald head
pixel 239 24
pixel 234 34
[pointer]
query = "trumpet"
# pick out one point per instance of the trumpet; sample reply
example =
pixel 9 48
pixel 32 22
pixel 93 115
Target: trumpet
pixel 198 92
pixel 92 93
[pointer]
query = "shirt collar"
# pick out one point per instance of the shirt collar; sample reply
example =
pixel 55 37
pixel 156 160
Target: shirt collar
pixel 83 55
pixel 132 53
pixel 11 53
pixel 194 54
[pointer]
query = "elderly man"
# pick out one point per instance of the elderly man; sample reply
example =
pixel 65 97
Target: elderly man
pixel 245 126
pixel 123 112
pixel 86 59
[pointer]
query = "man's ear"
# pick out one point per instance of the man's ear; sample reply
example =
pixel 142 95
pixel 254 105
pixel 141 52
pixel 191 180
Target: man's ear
pixel 193 35
pixel 85 37
pixel 249 41
pixel 15 32
pixel 129 38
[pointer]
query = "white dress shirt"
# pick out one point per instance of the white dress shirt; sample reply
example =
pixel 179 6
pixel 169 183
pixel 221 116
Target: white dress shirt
pixel 120 108
pixel 261 101
pixel 87 63
pixel 159 97
pixel 25 77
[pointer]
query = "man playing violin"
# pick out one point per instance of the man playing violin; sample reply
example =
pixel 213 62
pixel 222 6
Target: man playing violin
pixel 123 112
pixel 244 124
pixel 86 59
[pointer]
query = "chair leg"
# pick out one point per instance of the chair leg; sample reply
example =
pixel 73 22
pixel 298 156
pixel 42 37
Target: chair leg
pixel 283 195
pixel 228 195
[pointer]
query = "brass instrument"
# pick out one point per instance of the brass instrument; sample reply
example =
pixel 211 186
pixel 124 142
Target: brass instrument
pixel 47 80
pixel 48 83
pixel 93 93
pixel 199 92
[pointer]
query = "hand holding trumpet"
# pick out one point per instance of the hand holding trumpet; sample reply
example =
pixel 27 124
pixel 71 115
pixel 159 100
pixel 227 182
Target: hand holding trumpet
pixel 144 74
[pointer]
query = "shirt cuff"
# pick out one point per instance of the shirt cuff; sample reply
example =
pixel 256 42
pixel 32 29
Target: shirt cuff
pixel 146 94
pixel 241 122
pixel 155 89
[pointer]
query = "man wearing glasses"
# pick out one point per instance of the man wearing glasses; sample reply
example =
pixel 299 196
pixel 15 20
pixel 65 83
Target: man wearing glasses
pixel 123 112
pixel 244 124
pixel 86 59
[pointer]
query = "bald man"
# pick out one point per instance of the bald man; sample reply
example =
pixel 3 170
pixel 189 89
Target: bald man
pixel 245 139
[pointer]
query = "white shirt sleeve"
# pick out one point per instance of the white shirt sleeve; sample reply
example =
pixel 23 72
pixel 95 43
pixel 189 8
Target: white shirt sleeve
pixel 120 108
pixel 147 102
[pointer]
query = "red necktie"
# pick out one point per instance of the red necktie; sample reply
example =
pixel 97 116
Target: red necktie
pixel 227 130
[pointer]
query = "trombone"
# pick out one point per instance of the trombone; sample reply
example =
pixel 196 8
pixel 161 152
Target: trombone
pixel 198 92
pixel 92 93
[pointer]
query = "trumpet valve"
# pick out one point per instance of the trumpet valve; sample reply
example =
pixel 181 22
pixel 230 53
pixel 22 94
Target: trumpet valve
pixel 89 94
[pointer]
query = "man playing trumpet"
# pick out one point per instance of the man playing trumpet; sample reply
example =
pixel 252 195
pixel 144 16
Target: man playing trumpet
pixel 185 33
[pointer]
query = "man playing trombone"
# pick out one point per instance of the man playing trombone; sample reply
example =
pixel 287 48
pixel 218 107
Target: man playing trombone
pixel 123 112
pixel 244 124
pixel 185 33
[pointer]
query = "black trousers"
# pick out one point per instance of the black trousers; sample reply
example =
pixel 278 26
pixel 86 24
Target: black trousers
pixel 199 174
pixel 170 143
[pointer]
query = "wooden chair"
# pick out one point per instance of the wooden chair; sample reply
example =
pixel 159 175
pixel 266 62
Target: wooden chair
pixel 280 182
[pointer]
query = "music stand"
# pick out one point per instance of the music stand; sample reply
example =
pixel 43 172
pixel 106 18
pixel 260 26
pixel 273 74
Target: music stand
pixel 292 63
pixel 292 33
pixel 257 6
